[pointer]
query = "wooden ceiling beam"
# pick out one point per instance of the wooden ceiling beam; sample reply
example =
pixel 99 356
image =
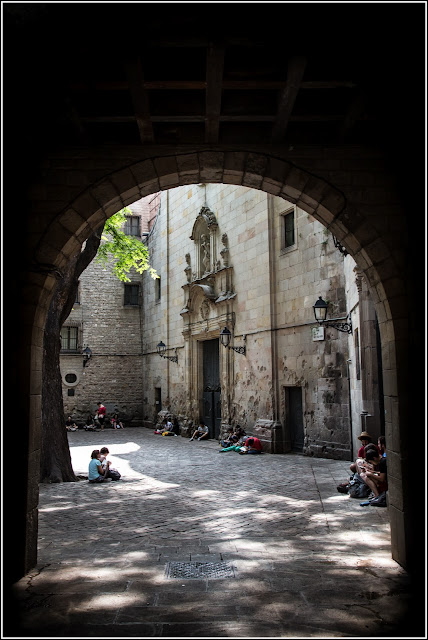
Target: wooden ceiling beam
pixel 296 69
pixel 183 85
pixel 140 99
pixel 222 118
pixel 214 79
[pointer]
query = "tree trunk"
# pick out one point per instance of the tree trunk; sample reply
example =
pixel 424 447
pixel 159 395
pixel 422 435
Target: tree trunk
pixel 55 463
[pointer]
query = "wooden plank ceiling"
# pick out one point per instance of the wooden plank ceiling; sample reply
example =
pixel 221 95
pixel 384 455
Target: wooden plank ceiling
pixel 166 74
pixel 217 92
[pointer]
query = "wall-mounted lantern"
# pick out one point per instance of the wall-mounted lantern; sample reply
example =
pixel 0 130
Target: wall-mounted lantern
pixel 225 337
pixel 87 354
pixel 161 348
pixel 320 312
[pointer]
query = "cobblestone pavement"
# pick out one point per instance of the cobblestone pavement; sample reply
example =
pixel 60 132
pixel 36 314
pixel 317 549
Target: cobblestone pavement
pixel 306 561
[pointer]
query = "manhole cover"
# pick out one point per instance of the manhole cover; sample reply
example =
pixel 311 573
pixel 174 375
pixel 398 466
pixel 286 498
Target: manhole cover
pixel 199 570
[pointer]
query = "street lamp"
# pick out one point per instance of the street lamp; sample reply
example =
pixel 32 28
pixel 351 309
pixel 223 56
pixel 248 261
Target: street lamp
pixel 87 354
pixel 225 337
pixel 320 313
pixel 161 348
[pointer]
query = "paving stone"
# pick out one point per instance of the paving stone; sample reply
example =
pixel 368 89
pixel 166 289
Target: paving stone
pixel 309 562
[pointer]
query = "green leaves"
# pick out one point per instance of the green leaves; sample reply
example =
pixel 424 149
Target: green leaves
pixel 128 252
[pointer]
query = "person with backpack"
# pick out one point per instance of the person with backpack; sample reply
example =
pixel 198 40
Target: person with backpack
pixel 96 471
pixel 109 472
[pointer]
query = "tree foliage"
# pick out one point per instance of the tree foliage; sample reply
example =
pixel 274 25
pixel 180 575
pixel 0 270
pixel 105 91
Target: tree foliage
pixel 127 251
pixel 124 253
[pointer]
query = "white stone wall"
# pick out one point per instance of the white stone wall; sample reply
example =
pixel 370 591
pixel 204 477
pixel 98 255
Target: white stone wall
pixel 275 291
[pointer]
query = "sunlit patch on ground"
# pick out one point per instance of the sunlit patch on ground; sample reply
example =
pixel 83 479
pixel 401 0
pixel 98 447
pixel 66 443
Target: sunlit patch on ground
pixel 302 553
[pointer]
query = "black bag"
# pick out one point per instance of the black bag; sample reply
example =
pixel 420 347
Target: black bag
pixel 113 474
pixel 358 488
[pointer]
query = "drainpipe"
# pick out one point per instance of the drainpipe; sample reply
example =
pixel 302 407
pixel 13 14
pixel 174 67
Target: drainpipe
pixel 348 362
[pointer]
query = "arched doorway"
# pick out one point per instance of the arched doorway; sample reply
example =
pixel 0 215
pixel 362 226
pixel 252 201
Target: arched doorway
pixel 354 228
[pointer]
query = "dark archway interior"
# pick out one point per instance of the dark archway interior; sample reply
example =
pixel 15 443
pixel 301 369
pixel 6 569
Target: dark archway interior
pixel 93 89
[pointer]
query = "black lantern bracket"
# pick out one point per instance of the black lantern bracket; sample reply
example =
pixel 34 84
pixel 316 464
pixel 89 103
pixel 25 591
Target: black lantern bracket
pixel 225 337
pixel 161 348
pixel 346 327
pixel 320 312
pixel 87 354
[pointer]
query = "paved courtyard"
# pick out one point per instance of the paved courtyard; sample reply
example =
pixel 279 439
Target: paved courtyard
pixel 298 558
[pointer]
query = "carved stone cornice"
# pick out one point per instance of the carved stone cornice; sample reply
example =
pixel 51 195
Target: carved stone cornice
pixel 225 296
pixel 359 278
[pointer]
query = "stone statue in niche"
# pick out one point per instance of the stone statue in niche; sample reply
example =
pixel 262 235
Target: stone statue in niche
pixel 205 310
pixel 188 269
pixel 205 255
pixel 225 251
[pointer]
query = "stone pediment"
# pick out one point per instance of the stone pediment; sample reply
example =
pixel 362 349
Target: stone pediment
pixel 206 217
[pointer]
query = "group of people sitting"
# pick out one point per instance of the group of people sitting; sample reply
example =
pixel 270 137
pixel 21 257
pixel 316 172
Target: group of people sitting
pixel 237 440
pixel 100 468
pixel 234 440
pixel 96 422
pixel 369 473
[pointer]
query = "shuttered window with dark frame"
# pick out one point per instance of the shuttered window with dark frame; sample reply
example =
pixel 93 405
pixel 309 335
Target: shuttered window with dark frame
pixel 289 240
pixel 131 295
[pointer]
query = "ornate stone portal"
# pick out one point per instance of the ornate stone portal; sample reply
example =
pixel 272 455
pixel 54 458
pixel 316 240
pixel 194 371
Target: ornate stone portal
pixel 208 307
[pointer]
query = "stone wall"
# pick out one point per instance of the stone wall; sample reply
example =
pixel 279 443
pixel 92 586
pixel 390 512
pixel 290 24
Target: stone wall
pixel 112 330
pixel 274 289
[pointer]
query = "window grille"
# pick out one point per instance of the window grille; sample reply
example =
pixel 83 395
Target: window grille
pixel 131 294
pixel 132 226
pixel 69 336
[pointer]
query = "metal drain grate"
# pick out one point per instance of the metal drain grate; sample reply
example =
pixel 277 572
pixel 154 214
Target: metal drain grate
pixel 199 570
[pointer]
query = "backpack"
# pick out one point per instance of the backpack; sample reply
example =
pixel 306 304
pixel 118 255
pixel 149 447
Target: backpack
pixel 358 488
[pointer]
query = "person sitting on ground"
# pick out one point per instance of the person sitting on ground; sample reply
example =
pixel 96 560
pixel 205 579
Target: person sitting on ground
pixel 239 433
pixel 365 439
pixel 168 428
pixel 70 425
pixel 377 478
pixel 90 424
pixel 96 471
pixel 201 432
pixel 228 440
pixel 361 465
pixel 115 422
pixel 253 445
pixel 237 445
pixel 111 473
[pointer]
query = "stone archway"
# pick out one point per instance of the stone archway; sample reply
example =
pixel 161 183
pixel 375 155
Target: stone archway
pixel 329 205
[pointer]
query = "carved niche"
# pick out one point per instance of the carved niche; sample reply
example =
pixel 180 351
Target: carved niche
pixel 209 289
pixel 204 235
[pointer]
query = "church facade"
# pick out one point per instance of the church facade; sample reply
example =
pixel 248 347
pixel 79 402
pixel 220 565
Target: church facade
pixel 227 333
